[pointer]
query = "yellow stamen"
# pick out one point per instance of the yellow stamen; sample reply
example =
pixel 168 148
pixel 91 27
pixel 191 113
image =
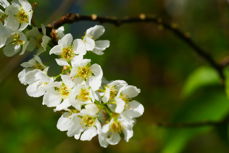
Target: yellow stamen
pixel 113 92
pixel 16 40
pixel 64 91
pixel 116 127
pixel 84 72
pixel 124 98
pixel 22 16
pixel 84 95
pixel 67 53
pixel 88 121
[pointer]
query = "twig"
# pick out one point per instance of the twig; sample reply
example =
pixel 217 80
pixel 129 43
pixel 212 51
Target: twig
pixel 142 18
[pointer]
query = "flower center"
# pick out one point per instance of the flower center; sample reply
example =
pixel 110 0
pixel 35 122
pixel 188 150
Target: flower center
pixel 84 95
pixel 88 121
pixel 113 92
pixel 116 127
pixel 64 91
pixel 67 53
pixel 16 40
pixel 22 16
pixel 38 66
pixel 84 72
pixel 124 98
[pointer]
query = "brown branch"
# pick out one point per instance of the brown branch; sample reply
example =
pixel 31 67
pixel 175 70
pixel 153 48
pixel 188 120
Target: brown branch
pixel 142 18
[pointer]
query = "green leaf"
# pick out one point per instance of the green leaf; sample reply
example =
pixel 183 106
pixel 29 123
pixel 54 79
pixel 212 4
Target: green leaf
pixel 210 103
pixel 201 77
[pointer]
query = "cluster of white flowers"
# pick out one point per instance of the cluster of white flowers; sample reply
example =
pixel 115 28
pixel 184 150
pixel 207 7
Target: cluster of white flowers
pixel 89 105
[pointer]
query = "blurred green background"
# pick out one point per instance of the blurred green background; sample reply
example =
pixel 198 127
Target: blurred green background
pixel 176 85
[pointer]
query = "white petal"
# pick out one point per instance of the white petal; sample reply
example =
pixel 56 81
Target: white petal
pixel 114 139
pixel 63 105
pixel 128 133
pixel 23 26
pixel 67 81
pixel 10 50
pixel 4 33
pixel 11 23
pixel 21 77
pixel 118 83
pixel 64 123
pixel 56 50
pixel 30 76
pixel 89 43
pixel 24 48
pixel 100 46
pixel 60 32
pixel 4 3
pixel 106 95
pixel 26 5
pixel 34 90
pixel 95 32
pixel 95 81
pixel 88 134
pixel 66 40
pixel 51 99
pixel 120 105
pixel 77 136
pixel 134 109
pixel 77 60
pixel 130 91
pixel 76 129
pixel 106 127
pixel 102 140
pixel 61 62
pixel 90 109
pixel 79 47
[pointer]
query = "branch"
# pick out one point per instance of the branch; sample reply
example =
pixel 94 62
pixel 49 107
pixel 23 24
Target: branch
pixel 142 18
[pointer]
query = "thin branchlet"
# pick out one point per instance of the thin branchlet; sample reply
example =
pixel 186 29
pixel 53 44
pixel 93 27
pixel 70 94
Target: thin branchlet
pixel 142 18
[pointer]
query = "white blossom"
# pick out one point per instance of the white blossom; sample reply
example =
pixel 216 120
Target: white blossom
pixel 118 94
pixel 82 94
pixel 67 49
pixel 58 94
pixel 83 70
pixel 37 40
pixel 33 64
pixel 39 83
pixel 19 15
pixel 90 105
pixel 133 110
pixel 59 33
pixel 124 96
pixel 90 42
pixel 111 132
pixel 16 42
pixel 83 125
pixel 112 89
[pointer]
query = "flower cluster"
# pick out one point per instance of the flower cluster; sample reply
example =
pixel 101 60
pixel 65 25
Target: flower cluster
pixel 90 106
